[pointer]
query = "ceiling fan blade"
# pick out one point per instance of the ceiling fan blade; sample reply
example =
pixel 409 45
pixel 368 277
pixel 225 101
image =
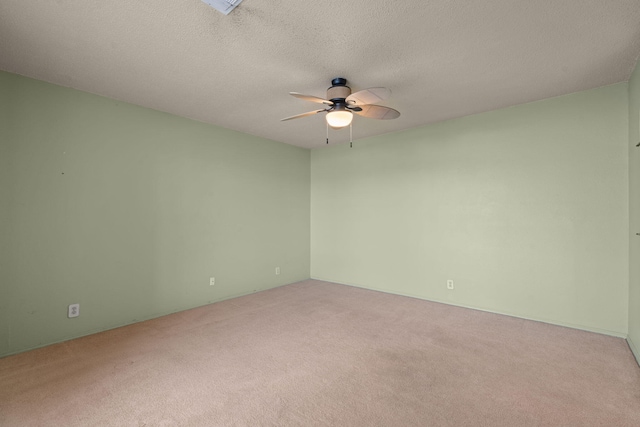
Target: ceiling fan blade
pixel 369 96
pixel 311 98
pixel 297 116
pixel 378 112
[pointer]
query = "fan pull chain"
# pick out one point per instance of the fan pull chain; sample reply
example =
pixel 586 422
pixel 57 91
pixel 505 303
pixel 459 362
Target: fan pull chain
pixel 351 135
pixel 327 133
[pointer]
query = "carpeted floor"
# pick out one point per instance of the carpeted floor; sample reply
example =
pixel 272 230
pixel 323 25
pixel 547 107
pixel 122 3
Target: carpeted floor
pixel 321 354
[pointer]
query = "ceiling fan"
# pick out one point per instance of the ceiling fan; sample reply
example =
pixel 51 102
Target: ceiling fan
pixel 341 104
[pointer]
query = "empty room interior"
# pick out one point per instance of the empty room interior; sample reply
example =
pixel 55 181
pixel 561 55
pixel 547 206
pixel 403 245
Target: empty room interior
pixel 363 213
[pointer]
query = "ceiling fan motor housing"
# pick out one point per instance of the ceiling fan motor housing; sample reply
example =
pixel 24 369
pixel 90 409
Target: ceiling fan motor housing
pixel 339 90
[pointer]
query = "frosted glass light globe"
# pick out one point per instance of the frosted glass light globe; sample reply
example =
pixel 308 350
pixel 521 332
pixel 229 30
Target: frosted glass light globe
pixel 339 118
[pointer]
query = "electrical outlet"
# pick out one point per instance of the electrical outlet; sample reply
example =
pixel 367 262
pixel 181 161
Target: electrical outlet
pixel 74 310
pixel 449 284
pixel 277 271
pixel 212 281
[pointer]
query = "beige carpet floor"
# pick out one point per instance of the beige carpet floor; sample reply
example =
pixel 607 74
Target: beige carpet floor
pixel 321 354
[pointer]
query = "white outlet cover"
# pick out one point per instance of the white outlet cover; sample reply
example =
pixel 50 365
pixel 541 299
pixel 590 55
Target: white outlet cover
pixel 212 281
pixel 74 310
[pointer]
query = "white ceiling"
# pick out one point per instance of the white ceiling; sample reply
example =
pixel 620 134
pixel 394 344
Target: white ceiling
pixel 440 58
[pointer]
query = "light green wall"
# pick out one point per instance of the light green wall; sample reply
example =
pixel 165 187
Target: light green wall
pixel 525 208
pixel 634 217
pixel 129 211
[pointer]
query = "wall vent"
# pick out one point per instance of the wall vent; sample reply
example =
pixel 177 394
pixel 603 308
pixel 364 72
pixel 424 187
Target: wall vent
pixel 224 6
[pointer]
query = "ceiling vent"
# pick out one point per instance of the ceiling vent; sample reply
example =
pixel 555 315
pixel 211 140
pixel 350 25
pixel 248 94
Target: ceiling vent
pixel 224 6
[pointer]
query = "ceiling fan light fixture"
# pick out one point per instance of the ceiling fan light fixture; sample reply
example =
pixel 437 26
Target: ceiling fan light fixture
pixel 340 104
pixel 339 118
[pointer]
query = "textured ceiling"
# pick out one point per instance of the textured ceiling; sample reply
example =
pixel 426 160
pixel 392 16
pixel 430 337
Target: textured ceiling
pixel 440 58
